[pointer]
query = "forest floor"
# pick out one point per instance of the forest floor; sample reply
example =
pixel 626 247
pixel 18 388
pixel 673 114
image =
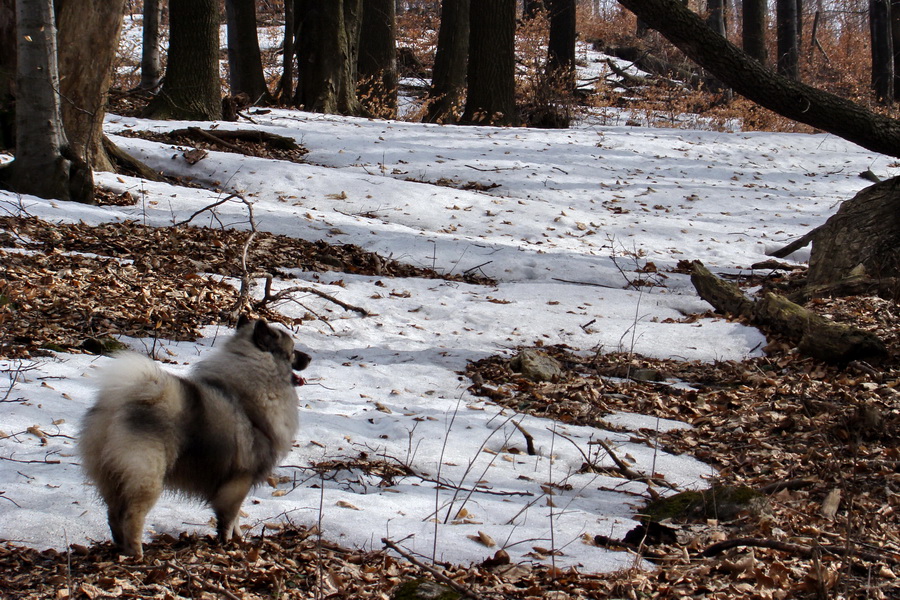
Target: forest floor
pixel 806 434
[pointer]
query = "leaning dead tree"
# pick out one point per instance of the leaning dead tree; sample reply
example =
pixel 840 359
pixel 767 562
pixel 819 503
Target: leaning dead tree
pixel 862 239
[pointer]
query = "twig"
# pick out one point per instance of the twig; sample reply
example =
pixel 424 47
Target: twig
pixel 630 473
pixel 206 208
pixel 269 297
pixel 207 585
pixel 798 549
pixel 612 287
pixel 463 590
pixel 529 440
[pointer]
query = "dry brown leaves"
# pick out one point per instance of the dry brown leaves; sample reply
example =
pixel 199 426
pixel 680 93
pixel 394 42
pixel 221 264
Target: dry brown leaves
pixel 67 284
pixel 830 434
pixel 286 563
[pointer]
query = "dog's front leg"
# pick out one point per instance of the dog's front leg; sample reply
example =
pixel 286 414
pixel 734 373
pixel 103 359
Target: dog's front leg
pixel 227 506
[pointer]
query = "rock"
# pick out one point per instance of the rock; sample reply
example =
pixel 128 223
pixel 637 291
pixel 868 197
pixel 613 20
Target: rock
pixel 423 589
pixel 536 365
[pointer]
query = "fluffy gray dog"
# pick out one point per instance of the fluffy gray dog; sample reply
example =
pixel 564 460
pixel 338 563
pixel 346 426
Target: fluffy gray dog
pixel 212 435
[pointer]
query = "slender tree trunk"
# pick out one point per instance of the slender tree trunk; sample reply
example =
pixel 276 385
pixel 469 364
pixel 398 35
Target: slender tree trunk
pixel 716 17
pixel 377 65
pixel 491 74
pixel 191 89
pixel 245 71
pixel 882 50
pixel 326 56
pixel 286 84
pixel 87 40
pixel 151 66
pixel 448 79
pixel 7 74
pixel 788 62
pixel 895 41
pixel 754 21
pixel 747 77
pixel 561 43
pixel 39 167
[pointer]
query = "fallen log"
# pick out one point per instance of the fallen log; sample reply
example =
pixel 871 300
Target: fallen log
pixel 814 335
pixel 223 138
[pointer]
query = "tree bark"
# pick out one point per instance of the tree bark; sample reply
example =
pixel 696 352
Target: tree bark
pixel 491 74
pixel 788 62
pixel 326 56
pixel 286 83
pixel 191 89
pixel 448 79
pixel 377 65
pixel 861 239
pixel 151 66
pixel 40 167
pixel 7 74
pixel 245 71
pixel 754 22
pixel 882 50
pixel 716 17
pixel 749 78
pixel 561 43
pixel 86 55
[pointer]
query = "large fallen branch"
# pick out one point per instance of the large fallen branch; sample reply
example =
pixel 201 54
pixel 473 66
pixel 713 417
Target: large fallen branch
pixel 814 335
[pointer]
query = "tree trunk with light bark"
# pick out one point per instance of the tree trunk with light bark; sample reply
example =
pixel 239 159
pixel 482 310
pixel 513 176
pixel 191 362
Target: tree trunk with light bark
pixel 44 165
pixel 86 55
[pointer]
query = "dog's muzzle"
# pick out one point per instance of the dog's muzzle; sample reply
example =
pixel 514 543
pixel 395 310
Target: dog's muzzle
pixel 300 362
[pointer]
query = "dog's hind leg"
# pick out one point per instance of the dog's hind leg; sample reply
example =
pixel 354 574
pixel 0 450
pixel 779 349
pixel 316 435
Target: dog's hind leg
pixel 227 506
pixel 134 512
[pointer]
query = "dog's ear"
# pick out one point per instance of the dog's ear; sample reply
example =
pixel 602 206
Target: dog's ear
pixel 264 337
pixel 242 320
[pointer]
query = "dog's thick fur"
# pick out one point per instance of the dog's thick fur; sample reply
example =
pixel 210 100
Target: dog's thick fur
pixel 212 435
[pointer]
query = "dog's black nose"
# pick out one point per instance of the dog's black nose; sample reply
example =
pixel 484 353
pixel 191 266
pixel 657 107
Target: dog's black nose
pixel 301 360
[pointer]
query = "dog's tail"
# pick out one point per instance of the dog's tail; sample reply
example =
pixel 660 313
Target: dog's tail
pixel 133 378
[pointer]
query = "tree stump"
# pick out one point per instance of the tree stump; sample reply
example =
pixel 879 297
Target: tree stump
pixel 862 239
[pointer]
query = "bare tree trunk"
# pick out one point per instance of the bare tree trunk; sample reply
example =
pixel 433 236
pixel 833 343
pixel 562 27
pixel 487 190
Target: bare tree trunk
pixel 895 41
pixel 377 65
pixel 191 88
pixel 151 66
pixel 788 62
pixel 286 84
pixel 716 17
pixel 326 56
pixel 7 74
pixel 882 50
pixel 448 79
pixel 561 43
pixel 39 167
pixel 245 71
pixel 491 74
pixel 754 21
pixel 87 39
pixel 747 77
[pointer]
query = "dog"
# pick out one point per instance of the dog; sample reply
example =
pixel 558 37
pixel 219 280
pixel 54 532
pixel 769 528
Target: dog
pixel 211 436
